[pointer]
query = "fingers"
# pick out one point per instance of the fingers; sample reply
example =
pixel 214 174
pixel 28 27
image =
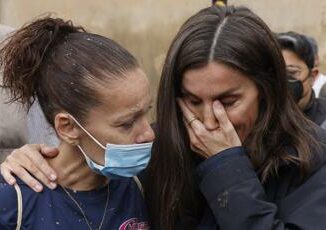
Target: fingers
pixel 221 116
pixel 194 141
pixel 33 152
pixel 49 151
pixel 225 124
pixel 7 169
pixel 28 160
pixel 187 114
pixel 196 144
pixel 5 172
pixel 37 171
pixel 191 120
pixel 43 165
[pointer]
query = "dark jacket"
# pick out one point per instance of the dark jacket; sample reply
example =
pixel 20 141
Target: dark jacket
pixel 236 198
pixel 316 110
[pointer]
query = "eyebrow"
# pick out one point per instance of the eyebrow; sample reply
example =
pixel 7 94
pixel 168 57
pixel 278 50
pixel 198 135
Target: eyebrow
pixel 133 114
pixel 185 92
pixel 294 66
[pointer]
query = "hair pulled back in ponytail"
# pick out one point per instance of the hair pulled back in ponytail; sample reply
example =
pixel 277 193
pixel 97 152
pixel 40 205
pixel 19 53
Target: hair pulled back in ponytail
pixel 22 56
pixel 59 64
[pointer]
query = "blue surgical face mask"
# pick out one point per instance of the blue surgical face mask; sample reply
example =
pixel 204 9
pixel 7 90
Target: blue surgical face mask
pixel 120 160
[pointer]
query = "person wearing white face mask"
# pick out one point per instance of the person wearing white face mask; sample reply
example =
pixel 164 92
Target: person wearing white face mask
pixel 92 91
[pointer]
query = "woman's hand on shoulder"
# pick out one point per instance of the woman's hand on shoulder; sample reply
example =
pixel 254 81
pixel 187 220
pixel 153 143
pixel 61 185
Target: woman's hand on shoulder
pixel 205 142
pixel 28 162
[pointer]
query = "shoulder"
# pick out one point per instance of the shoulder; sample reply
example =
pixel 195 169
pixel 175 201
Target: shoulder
pixel 31 200
pixel 8 195
pixel 8 205
pixel 321 103
pixel 132 186
pixel 318 159
pixel 321 135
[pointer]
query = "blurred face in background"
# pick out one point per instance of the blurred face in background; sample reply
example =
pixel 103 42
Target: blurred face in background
pixel 299 70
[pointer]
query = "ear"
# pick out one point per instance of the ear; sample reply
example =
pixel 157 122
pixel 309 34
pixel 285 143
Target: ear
pixel 314 74
pixel 67 129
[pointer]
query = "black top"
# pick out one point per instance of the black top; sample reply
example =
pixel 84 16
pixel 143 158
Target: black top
pixel 316 110
pixel 236 198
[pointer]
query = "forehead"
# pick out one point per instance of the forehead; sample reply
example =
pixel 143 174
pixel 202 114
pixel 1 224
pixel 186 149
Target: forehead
pixel 127 94
pixel 213 78
pixel 291 58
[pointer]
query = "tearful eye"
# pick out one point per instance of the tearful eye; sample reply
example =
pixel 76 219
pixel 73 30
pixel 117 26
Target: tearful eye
pixel 194 103
pixel 128 125
pixel 228 104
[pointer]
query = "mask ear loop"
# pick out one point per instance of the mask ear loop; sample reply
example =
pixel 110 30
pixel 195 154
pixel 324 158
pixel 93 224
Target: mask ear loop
pixel 90 135
pixel 89 161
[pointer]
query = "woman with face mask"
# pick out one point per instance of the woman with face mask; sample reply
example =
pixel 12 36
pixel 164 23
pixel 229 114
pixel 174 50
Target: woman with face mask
pixel 94 94
pixel 232 151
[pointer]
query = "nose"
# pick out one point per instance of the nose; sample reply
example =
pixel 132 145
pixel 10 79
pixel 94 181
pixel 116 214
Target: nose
pixel 208 118
pixel 146 133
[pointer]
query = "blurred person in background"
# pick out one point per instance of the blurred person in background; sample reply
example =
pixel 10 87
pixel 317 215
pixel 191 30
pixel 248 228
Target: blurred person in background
pixel 299 57
pixel 321 78
pixel 13 131
pixel 322 92
pixel 17 127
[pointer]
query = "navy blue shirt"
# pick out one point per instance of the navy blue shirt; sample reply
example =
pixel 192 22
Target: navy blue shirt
pixel 53 209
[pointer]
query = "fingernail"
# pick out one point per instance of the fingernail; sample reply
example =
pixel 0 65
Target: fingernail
pixel 53 185
pixel 53 177
pixel 38 187
pixel 12 181
pixel 217 104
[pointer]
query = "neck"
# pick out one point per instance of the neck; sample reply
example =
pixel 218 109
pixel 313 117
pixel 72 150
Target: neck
pixel 73 171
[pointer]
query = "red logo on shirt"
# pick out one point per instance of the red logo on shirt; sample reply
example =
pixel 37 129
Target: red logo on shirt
pixel 133 224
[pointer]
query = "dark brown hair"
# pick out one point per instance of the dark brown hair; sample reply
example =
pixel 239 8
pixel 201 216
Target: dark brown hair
pixel 61 65
pixel 238 38
pixel 298 44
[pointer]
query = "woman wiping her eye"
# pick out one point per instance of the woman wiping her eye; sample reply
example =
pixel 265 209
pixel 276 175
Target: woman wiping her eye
pixel 233 150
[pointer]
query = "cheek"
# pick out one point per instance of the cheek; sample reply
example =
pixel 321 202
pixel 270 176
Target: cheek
pixel 113 135
pixel 196 110
pixel 243 118
pixel 117 136
pixel 307 86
